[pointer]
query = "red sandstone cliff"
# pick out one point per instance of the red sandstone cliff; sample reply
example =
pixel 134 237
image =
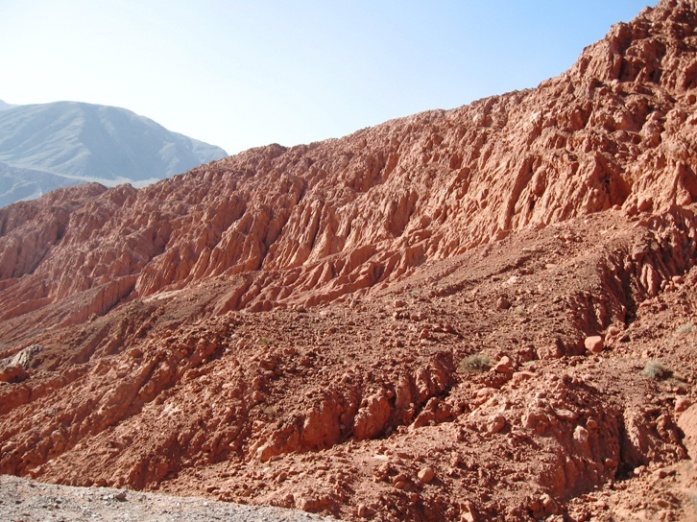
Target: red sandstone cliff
pixel 517 226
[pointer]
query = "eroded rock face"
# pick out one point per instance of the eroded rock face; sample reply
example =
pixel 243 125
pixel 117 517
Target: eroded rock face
pixel 335 407
pixel 296 326
pixel 312 223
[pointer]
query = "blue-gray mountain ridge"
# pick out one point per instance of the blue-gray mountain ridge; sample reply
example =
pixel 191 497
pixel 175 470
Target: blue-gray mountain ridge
pixel 47 146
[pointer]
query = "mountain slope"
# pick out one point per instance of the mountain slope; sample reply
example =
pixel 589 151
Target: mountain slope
pixel 79 141
pixel 424 187
pixel 18 184
pixel 548 234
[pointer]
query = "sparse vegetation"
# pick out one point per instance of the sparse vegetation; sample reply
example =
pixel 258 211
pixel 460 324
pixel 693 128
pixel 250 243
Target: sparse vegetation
pixel 270 413
pixel 692 498
pixel 475 364
pixel 685 329
pixel 656 370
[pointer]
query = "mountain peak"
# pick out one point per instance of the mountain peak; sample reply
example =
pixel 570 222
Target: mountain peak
pixel 79 142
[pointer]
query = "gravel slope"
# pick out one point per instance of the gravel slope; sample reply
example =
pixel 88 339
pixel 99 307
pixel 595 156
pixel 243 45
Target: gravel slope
pixel 23 500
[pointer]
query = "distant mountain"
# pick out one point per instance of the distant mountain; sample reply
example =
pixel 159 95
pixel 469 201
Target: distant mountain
pixel 18 184
pixel 65 143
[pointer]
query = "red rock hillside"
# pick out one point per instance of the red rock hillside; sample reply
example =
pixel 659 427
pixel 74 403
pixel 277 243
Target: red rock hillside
pixel 478 314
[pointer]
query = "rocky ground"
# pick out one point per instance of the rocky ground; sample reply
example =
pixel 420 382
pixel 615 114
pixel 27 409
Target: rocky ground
pixel 375 406
pixel 23 500
pixel 479 314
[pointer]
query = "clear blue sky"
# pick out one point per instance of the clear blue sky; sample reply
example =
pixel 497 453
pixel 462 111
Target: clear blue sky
pixel 240 74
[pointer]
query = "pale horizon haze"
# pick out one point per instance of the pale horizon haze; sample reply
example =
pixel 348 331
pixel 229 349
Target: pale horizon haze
pixel 241 74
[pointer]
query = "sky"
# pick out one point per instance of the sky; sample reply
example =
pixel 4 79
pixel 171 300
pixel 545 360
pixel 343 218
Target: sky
pixel 241 74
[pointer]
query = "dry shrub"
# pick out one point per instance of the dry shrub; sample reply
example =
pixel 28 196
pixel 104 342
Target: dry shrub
pixel 475 364
pixel 656 370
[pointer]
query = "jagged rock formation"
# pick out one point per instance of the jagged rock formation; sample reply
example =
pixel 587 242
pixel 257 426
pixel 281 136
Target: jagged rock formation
pixel 298 326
